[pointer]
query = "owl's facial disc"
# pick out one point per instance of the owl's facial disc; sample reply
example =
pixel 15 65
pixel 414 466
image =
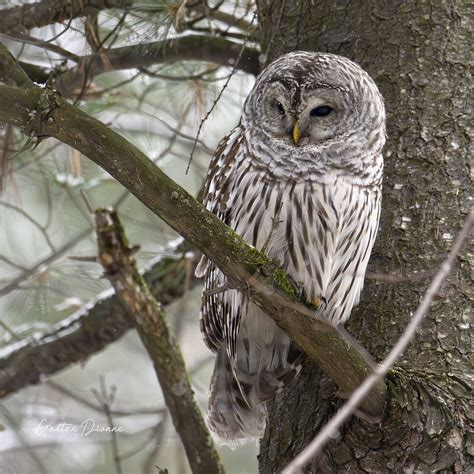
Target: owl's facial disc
pixel 309 117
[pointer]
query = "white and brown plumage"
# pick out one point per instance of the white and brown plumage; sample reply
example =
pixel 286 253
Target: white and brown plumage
pixel 299 178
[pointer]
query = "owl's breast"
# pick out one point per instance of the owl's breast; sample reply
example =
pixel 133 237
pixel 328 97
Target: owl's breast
pixel 312 229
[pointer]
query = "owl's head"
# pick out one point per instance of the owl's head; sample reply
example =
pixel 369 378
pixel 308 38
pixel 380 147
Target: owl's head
pixel 310 101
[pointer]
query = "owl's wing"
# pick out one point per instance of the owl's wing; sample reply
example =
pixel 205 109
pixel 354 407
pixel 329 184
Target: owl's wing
pixel 217 311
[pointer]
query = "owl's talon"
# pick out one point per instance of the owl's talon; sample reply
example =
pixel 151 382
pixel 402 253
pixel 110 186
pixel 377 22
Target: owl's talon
pixel 316 303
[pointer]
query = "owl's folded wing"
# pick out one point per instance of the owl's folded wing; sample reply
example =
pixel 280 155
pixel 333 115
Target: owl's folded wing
pixel 216 312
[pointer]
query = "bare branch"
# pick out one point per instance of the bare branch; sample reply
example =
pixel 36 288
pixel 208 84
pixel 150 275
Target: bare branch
pixel 215 50
pixel 33 221
pixel 47 12
pixel 325 434
pixel 219 51
pixel 201 10
pixel 245 267
pixel 10 71
pixel 48 45
pixel 106 399
pixel 121 269
pixel 87 403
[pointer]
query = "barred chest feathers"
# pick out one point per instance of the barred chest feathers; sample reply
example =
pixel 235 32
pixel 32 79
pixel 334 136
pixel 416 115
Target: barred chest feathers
pixel 322 233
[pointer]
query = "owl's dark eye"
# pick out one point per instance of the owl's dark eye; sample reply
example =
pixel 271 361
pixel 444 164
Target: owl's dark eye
pixel 280 108
pixel 321 111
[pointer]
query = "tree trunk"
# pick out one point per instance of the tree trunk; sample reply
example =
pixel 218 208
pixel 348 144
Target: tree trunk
pixel 417 54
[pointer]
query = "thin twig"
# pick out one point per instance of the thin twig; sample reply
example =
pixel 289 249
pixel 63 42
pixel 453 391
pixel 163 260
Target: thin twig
pixel 159 434
pixel 71 394
pixel 177 131
pixel 399 279
pixel 22 440
pixel 214 104
pixel 361 392
pixel 45 45
pixel 46 261
pixel 33 221
pixel 216 291
pixel 12 263
pixel 180 78
pixel 138 449
pixel 107 399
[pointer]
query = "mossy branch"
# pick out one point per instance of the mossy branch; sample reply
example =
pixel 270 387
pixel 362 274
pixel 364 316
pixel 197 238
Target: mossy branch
pixel 44 113
pixel 120 268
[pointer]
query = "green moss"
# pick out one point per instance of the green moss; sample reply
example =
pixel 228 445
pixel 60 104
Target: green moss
pixel 280 278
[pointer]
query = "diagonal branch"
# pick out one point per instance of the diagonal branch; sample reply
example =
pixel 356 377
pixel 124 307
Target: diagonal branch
pixel 120 268
pixel 245 268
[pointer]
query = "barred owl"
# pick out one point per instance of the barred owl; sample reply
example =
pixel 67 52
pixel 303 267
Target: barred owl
pixel 300 179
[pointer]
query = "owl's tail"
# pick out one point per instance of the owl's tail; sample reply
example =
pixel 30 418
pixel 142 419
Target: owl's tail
pixel 237 402
pixel 231 418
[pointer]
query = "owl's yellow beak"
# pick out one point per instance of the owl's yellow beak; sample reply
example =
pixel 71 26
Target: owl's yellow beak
pixel 296 133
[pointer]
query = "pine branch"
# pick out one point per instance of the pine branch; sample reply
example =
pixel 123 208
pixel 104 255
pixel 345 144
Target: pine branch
pixel 88 331
pixel 120 268
pixel 47 12
pixel 246 269
pixel 186 48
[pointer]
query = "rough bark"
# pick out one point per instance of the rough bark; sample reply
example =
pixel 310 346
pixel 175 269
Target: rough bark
pixel 417 53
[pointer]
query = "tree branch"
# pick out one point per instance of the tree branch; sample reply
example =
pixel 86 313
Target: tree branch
pixel 10 72
pixel 47 12
pixel 245 268
pixel 86 332
pixel 187 48
pixel 120 268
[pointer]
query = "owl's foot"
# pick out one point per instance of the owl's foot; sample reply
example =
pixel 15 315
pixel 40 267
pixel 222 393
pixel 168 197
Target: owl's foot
pixel 317 302
pixel 300 296
pixel 299 293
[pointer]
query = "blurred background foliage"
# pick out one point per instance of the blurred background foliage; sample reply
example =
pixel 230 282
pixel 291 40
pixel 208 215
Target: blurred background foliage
pixel 45 225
